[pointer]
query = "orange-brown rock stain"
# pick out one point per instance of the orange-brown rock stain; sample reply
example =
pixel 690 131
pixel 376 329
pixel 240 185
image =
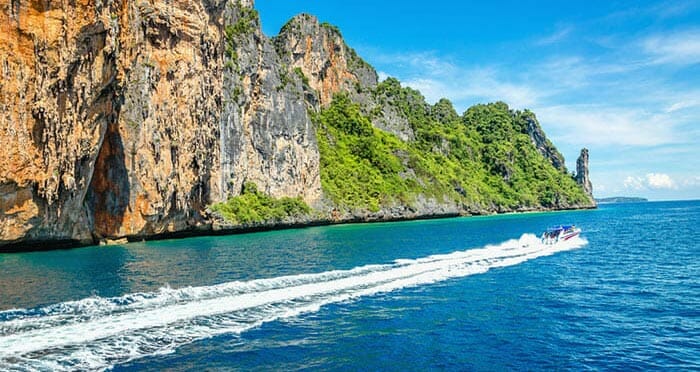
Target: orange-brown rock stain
pixel 334 77
pixel 110 198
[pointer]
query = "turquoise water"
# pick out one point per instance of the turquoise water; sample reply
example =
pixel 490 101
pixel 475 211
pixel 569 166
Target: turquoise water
pixel 464 293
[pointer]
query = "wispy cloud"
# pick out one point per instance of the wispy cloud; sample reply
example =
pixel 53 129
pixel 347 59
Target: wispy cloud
pixel 663 10
pixel 633 101
pixel 684 104
pixel 692 182
pixel 680 47
pixel 597 125
pixel 438 77
pixel 670 9
pixel 634 183
pixel 559 35
pixel 417 63
pixel 542 86
pixel 475 85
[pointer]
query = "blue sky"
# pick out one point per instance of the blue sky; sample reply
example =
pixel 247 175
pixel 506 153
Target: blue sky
pixel 621 78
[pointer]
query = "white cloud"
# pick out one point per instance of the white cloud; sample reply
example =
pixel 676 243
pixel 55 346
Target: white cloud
pixel 692 182
pixel 681 47
pixel 627 102
pixel 438 77
pixel 381 75
pixel 634 183
pixel 660 181
pixel 651 181
pixel 418 63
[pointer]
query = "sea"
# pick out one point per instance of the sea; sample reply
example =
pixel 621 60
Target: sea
pixel 471 293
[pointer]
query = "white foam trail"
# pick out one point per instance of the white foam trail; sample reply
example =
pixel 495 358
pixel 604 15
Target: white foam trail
pixel 96 333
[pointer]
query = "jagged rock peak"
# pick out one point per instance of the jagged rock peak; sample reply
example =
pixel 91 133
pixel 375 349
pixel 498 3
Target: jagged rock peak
pixel 582 172
pixel 318 52
pixel 543 145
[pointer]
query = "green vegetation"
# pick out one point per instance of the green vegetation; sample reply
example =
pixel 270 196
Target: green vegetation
pixel 621 199
pixel 332 28
pixel 252 206
pixel 293 23
pixel 356 62
pixel 300 74
pixel 284 78
pixel 483 159
pixel 246 24
pixel 360 166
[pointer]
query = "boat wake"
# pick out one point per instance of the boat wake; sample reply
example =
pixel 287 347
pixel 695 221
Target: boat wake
pixel 96 332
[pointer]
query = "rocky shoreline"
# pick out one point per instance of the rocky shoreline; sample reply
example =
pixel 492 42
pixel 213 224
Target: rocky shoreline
pixel 218 227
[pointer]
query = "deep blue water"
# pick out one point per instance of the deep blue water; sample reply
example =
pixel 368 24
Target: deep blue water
pixel 625 298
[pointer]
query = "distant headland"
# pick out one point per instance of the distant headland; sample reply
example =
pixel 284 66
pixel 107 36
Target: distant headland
pixel 620 199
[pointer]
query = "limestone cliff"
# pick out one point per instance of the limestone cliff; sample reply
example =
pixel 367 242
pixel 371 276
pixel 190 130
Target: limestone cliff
pixel 126 119
pixel 320 53
pixel 58 96
pixel 112 117
pixel 266 132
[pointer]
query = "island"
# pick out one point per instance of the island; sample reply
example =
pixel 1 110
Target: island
pixel 620 199
pixel 140 122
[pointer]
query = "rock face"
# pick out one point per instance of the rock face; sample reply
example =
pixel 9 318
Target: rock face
pixel 582 177
pixel 58 96
pixel 158 159
pixel 125 118
pixel 266 133
pixel 320 53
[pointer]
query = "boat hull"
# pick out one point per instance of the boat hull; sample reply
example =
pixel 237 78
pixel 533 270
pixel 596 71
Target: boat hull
pixel 554 236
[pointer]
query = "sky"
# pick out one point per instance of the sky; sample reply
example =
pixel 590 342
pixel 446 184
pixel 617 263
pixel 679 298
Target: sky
pixel 621 78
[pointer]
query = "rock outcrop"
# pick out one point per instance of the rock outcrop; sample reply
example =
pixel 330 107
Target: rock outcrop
pixel 582 177
pixel 317 53
pixel 544 146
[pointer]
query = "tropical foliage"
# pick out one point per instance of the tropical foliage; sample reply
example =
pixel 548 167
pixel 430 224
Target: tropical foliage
pixel 483 159
pixel 253 206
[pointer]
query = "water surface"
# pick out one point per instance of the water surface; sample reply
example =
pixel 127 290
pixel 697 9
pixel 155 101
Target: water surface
pixel 461 293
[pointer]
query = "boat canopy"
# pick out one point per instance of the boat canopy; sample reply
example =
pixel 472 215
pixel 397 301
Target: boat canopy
pixel 559 228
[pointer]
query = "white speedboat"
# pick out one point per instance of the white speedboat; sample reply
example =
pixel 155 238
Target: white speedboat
pixel 561 233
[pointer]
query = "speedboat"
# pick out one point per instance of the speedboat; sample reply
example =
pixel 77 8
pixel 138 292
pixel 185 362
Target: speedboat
pixel 559 233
